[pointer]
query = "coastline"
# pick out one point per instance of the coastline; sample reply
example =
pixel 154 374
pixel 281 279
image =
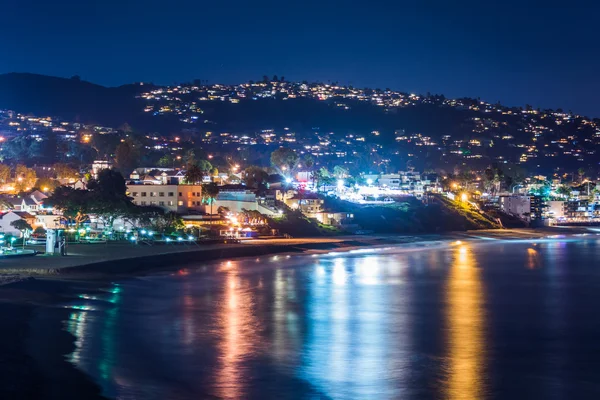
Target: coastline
pixel 35 347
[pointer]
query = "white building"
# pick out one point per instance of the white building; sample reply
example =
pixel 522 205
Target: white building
pixel 47 221
pixel 519 206
pixel 238 199
pixel 98 166
pixel 556 209
pixel 7 218
pixel 390 180
pixel 175 198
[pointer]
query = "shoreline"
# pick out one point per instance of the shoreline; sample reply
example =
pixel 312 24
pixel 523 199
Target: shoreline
pixel 116 259
pixel 36 346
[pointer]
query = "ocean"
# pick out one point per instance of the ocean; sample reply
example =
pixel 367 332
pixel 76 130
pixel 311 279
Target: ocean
pixel 460 320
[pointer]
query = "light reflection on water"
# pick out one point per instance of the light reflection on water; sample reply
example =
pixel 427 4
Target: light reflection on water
pixel 466 324
pixel 436 323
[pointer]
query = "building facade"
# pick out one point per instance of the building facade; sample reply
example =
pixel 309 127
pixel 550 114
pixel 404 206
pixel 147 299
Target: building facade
pixel 172 198
pixel 519 206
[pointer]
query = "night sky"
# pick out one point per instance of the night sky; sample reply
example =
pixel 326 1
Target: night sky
pixel 544 55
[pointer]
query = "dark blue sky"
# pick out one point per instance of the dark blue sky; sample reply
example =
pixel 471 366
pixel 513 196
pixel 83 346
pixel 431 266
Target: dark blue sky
pixel 517 52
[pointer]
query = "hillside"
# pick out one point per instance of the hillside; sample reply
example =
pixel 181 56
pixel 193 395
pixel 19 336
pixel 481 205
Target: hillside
pixel 427 131
pixel 70 99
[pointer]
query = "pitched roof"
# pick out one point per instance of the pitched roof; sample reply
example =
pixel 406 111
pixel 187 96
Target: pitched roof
pixel 15 201
pixel 21 214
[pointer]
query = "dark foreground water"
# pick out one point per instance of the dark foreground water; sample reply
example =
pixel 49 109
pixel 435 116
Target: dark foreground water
pixel 517 320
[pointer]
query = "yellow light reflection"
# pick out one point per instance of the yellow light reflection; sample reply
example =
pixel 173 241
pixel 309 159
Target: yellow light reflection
pixel 465 327
pixel 533 258
pixel 237 327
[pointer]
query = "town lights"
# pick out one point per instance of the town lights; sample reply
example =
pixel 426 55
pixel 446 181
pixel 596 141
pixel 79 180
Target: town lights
pixel 464 197
pixel 288 180
pixel 369 182
pixel 340 183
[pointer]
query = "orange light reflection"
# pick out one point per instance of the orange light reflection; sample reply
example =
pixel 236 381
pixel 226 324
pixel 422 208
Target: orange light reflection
pixel 465 327
pixel 238 329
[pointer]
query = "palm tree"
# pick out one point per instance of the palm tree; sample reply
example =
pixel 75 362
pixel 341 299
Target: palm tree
pixel 210 191
pixel 581 173
pixel 194 175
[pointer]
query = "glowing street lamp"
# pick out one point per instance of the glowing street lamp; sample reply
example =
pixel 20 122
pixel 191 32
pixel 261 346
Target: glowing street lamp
pixel 464 197
pixel 369 181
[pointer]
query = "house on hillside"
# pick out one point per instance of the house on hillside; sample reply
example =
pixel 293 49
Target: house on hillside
pixel 307 203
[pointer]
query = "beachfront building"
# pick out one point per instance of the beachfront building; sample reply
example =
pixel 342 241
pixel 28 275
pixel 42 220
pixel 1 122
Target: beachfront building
pixel 172 198
pixel 556 209
pixel 308 203
pixel 237 198
pixel 335 218
pixel 519 206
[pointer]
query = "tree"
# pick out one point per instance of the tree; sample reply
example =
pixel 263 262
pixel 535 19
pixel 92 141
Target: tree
pixel 340 172
pixel 309 162
pixel 25 178
pixel 4 173
pixel 189 158
pixel 285 161
pixel 20 148
pixel 109 182
pixel 205 166
pixel 23 226
pixel 127 156
pixel 193 175
pixel 255 177
pixel 322 177
pixel 210 191
pixel 168 223
pixel 63 171
pixel 107 197
pixel 581 173
pixel 47 184
pixel 104 145
pixel 165 161
pixel 73 203
pixel 492 179
pixel 564 191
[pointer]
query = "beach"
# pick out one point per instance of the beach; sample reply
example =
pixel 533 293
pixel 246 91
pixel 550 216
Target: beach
pixel 33 352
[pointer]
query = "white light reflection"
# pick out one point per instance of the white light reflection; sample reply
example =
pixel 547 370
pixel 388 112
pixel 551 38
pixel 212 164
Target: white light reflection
pixel 368 270
pixel 339 271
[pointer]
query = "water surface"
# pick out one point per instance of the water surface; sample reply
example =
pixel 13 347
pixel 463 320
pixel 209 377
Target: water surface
pixel 466 320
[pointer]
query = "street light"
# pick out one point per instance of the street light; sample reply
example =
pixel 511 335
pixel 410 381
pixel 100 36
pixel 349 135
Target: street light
pixel 464 197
